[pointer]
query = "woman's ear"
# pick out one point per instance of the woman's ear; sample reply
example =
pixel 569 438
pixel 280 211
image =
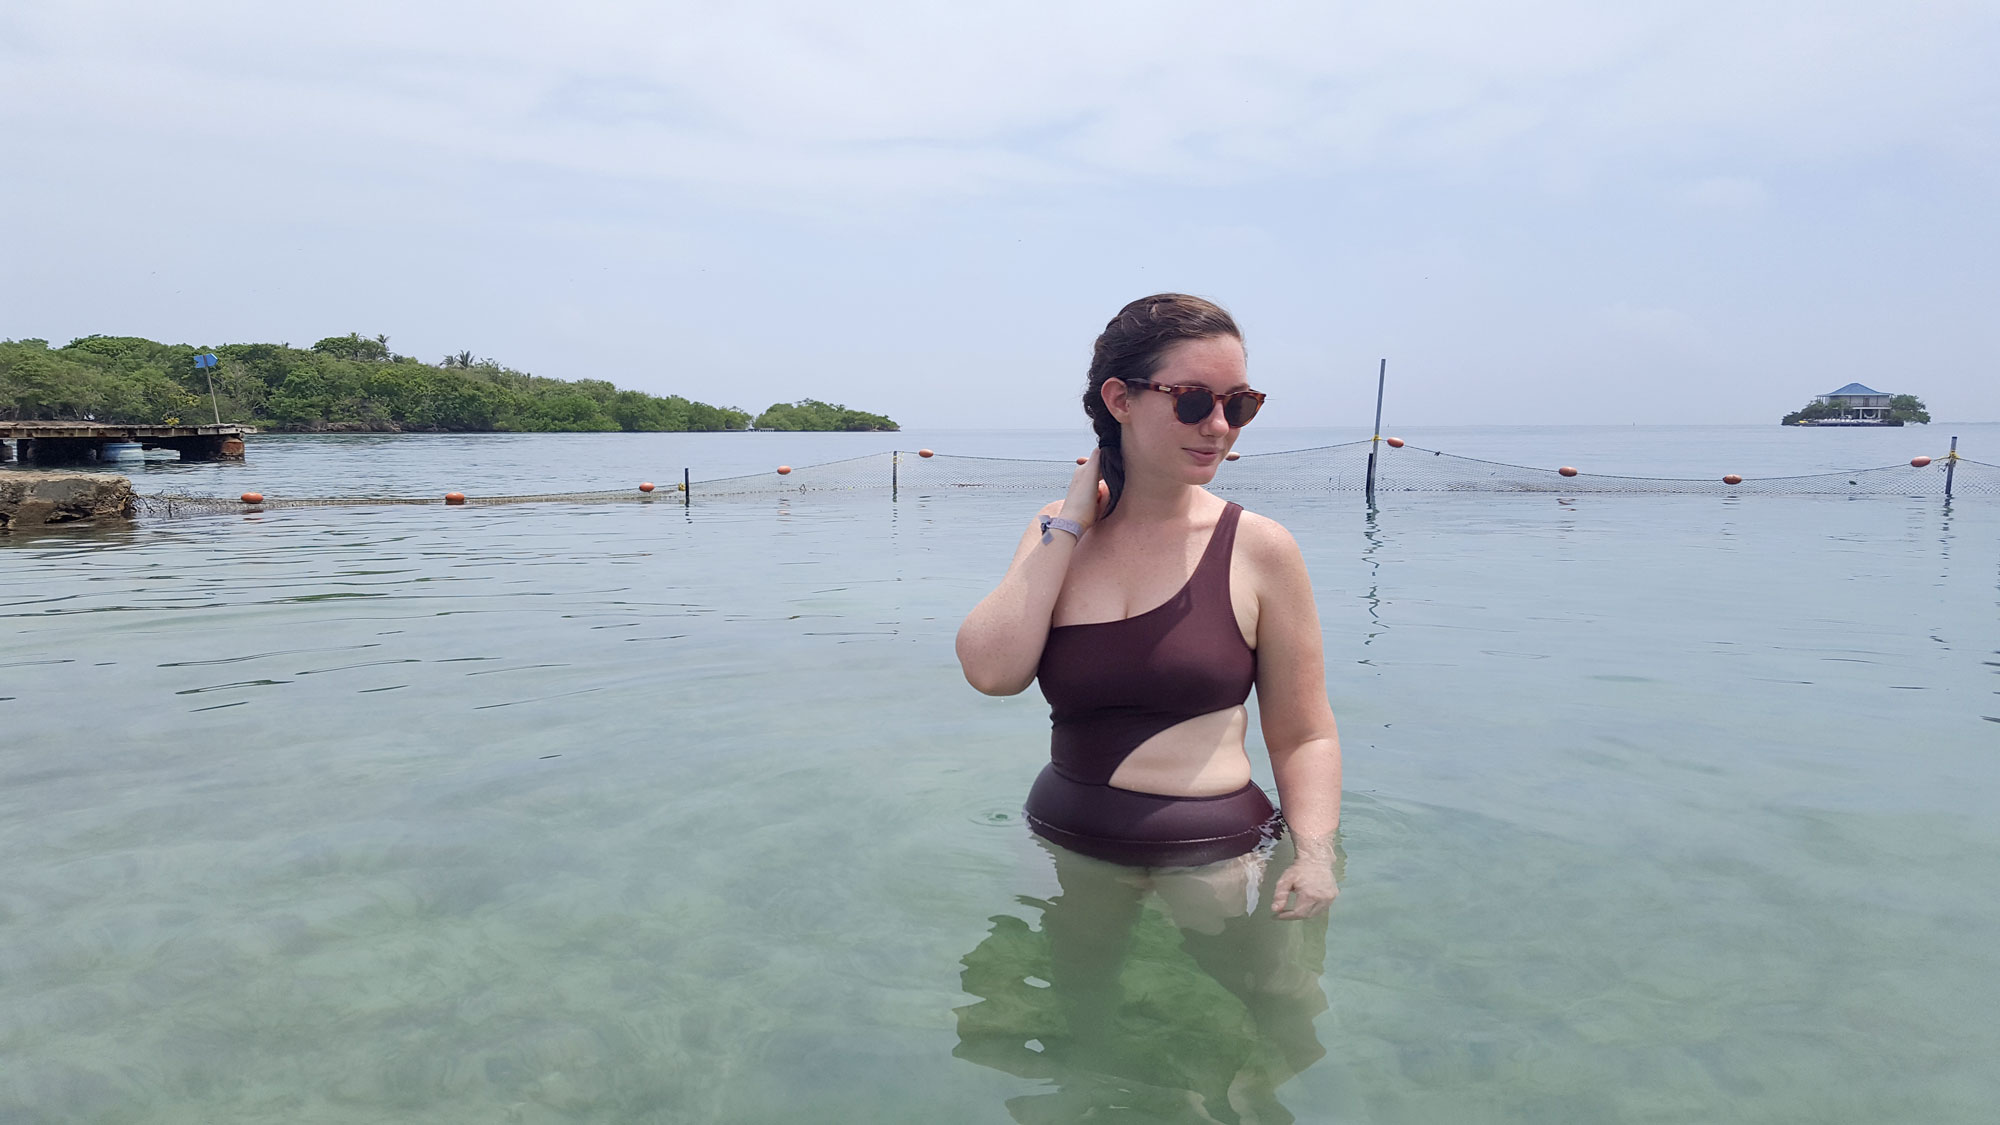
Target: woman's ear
pixel 1117 398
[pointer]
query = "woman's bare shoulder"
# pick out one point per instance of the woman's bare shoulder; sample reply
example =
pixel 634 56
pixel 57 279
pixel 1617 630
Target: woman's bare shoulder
pixel 1265 538
pixel 1275 559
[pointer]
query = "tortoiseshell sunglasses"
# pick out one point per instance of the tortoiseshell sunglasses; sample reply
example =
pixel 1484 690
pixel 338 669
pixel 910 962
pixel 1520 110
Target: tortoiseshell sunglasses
pixel 1192 404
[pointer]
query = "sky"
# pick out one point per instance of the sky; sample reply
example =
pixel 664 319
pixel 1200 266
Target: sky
pixel 1540 212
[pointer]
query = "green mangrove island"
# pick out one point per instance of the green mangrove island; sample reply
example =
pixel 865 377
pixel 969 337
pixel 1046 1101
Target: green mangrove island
pixel 352 383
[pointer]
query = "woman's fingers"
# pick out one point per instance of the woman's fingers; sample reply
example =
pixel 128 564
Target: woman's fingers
pixel 1304 908
pixel 1281 895
pixel 1086 491
pixel 1303 892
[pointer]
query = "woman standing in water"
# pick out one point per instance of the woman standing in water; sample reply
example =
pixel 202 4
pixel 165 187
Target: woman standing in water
pixel 1148 608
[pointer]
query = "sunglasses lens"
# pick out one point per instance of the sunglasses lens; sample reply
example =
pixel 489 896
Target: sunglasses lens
pixel 1192 406
pixel 1239 409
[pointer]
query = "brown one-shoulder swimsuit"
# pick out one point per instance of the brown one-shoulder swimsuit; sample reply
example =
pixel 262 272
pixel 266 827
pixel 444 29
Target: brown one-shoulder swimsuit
pixel 1112 685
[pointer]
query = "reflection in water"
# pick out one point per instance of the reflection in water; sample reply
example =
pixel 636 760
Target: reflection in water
pixel 1372 533
pixel 1168 994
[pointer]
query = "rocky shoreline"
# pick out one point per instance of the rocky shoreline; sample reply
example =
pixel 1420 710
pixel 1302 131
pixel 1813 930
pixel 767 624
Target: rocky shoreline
pixel 34 500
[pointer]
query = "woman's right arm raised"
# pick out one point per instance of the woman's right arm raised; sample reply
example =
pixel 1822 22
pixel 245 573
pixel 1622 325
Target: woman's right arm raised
pixel 1000 644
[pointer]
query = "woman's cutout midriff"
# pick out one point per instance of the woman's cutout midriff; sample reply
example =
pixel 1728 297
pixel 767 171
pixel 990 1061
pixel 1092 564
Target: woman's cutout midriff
pixel 1198 757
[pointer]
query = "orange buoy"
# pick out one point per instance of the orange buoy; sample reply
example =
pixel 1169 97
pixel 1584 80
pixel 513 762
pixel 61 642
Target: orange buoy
pixel 1394 442
pixel 232 447
pixel 1567 471
pixel 1231 455
pixel 1919 462
pixel 454 497
pixel 1732 479
pixel 925 453
pixel 682 487
pixel 784 470
pixel 253 498
pixel 645 486
pixel 1081 460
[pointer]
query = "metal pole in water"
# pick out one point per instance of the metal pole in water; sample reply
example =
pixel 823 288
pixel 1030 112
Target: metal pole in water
pixel 1381 377
pixel 1950 464
pixel 895 463
pixel 687 494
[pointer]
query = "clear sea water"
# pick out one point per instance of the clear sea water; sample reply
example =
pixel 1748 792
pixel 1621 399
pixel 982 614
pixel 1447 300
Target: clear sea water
pixel 1658 808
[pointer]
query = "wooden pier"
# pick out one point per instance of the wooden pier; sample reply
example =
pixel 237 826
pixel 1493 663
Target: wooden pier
pixel 72 443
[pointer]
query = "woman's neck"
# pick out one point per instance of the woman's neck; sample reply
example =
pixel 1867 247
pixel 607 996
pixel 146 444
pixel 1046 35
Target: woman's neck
pixel 1153 500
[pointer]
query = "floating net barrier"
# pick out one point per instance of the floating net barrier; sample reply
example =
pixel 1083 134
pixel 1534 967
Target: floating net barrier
pixel 1436 471
pixel 874 472
pixel 1403 469
pixel 164 505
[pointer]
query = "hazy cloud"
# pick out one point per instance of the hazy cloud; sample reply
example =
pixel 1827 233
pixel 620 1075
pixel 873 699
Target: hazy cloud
pixel 921 98
pixel 1727 193
pixel 562 182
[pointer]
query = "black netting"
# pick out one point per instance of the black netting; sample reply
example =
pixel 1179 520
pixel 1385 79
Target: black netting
pixel 1333 468
pixel 1415 469
pixel 874 472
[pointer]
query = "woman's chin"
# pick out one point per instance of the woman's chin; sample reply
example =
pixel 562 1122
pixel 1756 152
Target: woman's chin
pixel 1182 468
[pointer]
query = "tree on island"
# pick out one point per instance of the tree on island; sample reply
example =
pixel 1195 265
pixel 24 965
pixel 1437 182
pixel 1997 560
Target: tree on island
pixel 812 414
pixel 354 346
pixel 1902 409
pixel 1812 412
pixel 1908 408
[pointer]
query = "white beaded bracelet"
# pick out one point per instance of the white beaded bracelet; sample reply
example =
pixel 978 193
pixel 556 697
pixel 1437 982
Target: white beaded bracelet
pixel 1051 524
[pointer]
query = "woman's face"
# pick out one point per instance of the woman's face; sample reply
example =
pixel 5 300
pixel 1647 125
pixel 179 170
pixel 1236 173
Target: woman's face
pixel 1155 441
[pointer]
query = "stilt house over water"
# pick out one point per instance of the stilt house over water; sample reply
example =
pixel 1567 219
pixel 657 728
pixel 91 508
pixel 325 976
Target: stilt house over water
pixel 1858 402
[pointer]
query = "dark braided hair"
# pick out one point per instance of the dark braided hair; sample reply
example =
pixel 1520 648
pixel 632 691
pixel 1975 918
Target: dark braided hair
pixel 1134 346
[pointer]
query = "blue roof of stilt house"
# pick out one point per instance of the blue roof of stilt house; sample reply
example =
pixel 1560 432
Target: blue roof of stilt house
pixel 1853 389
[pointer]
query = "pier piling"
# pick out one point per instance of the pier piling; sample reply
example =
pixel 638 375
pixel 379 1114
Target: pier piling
pixel 76 443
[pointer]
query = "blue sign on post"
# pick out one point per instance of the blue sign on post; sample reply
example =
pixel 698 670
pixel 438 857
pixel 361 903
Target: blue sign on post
pixel 205 361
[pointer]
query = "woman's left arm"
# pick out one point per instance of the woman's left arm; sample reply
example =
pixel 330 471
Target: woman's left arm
pixel 1297 720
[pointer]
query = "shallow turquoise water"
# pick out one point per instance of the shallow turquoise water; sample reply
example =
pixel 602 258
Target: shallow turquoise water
pixel 1659 808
